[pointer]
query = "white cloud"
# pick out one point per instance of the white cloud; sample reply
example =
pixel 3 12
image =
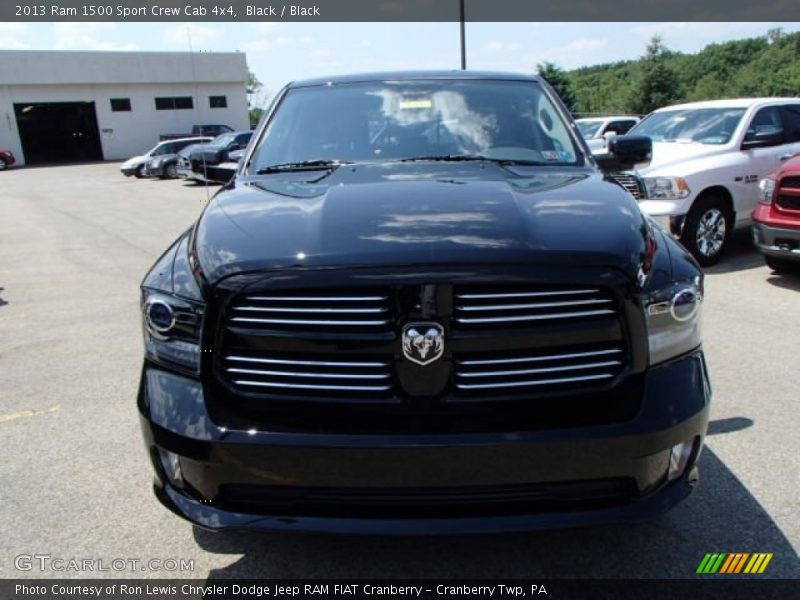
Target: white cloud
pixel 498 47
pixel 575 54
pixel 83 36
pixel 679 29
pixel 12 34
pixel 177 36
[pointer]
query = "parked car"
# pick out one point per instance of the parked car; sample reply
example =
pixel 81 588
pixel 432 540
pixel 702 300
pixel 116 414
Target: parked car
pixel 776 218
pixel 205 158
pixel 420 307
pixel 199 130
pixel 136 165
pixel 708 158
pixel 598 130
pixel 165 166
pixel 6 159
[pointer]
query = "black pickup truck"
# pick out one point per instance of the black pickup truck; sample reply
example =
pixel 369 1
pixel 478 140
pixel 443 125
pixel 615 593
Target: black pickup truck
pixel 421 306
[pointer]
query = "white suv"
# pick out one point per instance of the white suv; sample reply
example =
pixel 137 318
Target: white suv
pixel 707 160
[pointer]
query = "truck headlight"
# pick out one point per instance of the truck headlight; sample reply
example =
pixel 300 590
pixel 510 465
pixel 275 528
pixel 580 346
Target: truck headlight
pixel 171 328
pixel 766 189
pixel 673 317
pixel 666 188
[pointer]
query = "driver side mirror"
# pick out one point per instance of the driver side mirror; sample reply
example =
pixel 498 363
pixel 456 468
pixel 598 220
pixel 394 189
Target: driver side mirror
pixel 763 139
pixel 624 153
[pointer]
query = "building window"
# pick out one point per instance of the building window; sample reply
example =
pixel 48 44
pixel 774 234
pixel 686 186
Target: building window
pixel 120 104
pixel 218 101
pixel 174 103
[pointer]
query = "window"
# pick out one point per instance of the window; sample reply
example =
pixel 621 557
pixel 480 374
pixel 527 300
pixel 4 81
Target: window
pixel 766 121
pixel 791 122
pixel 174 103
pixel 120 104
pixel 620 127
pixel 218 101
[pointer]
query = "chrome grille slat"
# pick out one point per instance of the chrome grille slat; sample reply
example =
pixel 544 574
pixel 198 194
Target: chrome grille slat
pixel 525 294
pixel 537 382
pixel 488 307
pixel 307 363
pixel 579 367
pixel 301 374
pixel 630 183
pixel 326 323
pixel 319 298
pixel 540 358
pixel 544 317
pixel 308 386
pixel 294 309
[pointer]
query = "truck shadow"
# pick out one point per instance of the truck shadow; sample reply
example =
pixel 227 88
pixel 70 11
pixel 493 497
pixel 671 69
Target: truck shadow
pixel 720 516
pixel 740 255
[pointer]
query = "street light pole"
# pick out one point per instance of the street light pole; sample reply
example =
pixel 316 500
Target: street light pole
pixel 463 36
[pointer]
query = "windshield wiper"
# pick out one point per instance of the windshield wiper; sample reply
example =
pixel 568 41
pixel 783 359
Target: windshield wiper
pixel 506 162
pixel 303 165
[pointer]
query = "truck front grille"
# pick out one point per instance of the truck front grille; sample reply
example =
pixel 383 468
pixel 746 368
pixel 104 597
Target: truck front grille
pixel 789 194
pixel 496 307
pixel 631 183
pixel 327 311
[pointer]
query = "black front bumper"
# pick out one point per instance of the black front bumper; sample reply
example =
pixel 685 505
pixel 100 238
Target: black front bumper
pixel 425 483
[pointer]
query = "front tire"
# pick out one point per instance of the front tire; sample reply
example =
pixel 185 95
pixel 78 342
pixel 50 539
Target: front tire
pixel 171 172
pixel 707 229
pixel 780 265
pixel 139 173
pixel 3 164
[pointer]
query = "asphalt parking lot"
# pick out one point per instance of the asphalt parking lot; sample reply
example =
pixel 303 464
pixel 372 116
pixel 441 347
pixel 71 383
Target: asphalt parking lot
pixel 75 242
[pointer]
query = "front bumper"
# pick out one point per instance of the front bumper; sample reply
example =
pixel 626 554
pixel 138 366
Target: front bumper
pixel 424 483
pixel 779 242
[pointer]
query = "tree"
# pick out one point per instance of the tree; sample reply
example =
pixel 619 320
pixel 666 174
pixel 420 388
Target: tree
pixel 254 88
pixel 658 84
pixel 559 80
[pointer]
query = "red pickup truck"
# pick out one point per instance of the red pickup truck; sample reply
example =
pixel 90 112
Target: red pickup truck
pixel 776 218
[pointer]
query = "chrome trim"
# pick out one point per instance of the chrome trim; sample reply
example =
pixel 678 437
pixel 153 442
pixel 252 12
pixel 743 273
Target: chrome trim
pixel 525 294
pixel 307 363
pixel 292 309
pixel 309 375
pixel 307 322
pixel 502 361
pixel 608 363
pixel 536 305
pixel 483 386
pixel 350 388
pixel 320 298
pixel 569 315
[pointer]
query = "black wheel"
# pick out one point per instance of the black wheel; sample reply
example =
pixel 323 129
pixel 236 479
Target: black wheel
pixel 139 173
pixel 171 171
pixel 3 165
pixel 707 229
pixel 781 265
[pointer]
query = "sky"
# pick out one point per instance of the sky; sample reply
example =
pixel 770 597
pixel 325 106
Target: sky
pixel 280 52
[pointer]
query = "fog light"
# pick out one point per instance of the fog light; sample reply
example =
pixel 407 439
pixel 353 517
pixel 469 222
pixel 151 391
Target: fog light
pixel 172 467
pixel 678 459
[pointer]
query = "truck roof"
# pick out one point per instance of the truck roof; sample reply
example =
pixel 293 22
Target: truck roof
pixel 407 75
pixel 732 103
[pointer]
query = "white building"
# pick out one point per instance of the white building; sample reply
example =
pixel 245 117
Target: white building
pixel 58 106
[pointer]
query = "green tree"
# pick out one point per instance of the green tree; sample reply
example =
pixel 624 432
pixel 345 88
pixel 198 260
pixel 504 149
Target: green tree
pixel 253 88
pixel 658 84
pixel 559 80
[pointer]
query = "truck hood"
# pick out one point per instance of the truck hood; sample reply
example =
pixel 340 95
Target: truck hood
pixel 667 155
pixel 419 213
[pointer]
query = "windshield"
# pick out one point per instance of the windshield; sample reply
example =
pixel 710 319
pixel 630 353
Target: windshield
pixel 384 121
pixel 223 140
pixel 588 129
pixel 701 125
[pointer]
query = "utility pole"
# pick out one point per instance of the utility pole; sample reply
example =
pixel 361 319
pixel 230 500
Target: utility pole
pixel 463 37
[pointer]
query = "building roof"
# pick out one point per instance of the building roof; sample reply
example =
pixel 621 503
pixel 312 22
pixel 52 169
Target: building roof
pixel 48 67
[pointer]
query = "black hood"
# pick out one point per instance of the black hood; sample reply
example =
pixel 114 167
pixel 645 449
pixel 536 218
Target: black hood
pixel 420 214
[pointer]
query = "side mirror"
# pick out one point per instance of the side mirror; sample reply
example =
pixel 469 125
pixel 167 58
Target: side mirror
pixel 763 139
pixel 624 153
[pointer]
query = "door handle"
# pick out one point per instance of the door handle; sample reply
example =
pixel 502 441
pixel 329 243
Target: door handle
pixel 784 157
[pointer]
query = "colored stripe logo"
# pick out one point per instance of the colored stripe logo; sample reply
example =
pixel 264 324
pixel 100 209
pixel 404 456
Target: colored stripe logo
pixel 733 563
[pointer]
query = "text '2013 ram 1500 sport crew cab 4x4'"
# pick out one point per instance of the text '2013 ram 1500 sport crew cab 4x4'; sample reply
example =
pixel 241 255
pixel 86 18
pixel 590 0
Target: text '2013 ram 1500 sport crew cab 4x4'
pixel 420 307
